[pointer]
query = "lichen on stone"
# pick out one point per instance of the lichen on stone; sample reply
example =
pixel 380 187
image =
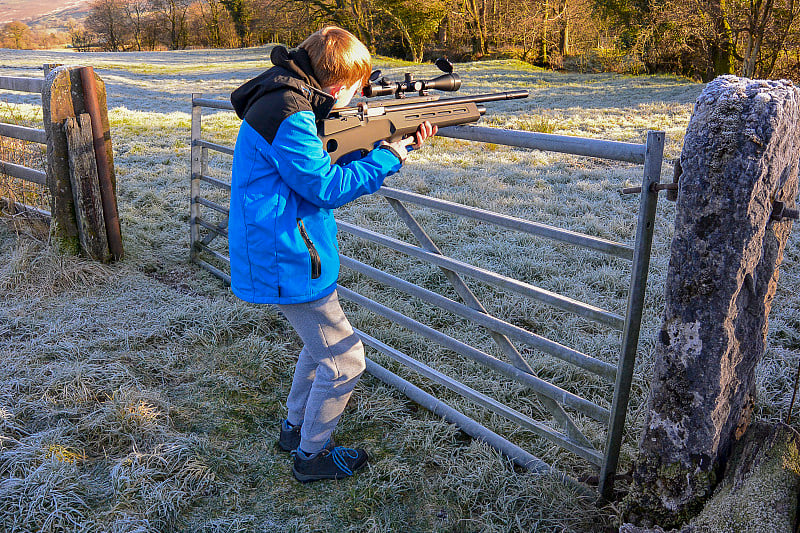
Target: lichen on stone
pixel 759 490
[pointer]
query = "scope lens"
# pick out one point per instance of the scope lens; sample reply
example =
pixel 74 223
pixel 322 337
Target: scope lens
pixel 377 90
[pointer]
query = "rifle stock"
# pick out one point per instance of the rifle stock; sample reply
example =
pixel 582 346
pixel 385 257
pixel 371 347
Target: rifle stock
pixel 359 128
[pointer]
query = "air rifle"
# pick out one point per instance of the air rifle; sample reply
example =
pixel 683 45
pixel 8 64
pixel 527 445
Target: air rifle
pixel 359 128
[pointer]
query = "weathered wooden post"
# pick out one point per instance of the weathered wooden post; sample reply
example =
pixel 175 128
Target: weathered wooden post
pixel 739 181
pixel 58 95
pixel 86 188
pixel 69 92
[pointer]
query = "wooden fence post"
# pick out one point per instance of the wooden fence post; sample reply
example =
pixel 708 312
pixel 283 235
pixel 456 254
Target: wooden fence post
pixel 86 188
pixel 104 158
pixel 63 97
pixel 58 95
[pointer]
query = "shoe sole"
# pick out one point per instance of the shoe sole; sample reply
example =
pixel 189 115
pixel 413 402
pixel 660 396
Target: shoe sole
pixel 286 447
pixel 308 478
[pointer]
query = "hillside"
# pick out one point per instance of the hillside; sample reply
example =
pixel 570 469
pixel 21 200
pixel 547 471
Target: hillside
pixel 43 14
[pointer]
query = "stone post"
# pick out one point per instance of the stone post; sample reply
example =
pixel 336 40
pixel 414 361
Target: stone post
pixel 740 157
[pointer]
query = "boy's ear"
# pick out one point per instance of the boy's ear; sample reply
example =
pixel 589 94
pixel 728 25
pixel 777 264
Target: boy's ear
pixel 334 90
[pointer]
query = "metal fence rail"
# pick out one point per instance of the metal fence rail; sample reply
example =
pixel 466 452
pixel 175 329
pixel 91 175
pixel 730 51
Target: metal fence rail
pixel 25 85
pixel 553 398
pixel 25 134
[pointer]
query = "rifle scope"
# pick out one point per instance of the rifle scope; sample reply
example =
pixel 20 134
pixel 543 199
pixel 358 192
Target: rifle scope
pixel 383 87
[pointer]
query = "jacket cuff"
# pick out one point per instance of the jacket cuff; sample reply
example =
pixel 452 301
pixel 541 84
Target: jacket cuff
pixel 391 149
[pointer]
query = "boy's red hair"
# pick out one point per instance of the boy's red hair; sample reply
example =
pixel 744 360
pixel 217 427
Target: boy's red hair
pixel 338 57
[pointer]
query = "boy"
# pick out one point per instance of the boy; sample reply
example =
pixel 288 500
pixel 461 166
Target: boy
pixel 282 234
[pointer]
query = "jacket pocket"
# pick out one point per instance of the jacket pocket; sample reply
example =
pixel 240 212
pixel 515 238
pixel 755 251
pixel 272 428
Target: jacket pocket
pixel 316 264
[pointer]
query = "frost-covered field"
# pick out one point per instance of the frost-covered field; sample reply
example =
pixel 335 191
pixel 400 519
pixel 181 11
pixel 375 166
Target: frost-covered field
pixel 142 396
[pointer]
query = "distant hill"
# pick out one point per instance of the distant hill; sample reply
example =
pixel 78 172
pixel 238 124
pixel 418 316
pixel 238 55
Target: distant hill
pixel 43 14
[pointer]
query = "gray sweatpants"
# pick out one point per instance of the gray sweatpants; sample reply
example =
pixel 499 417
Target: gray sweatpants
pixel 328 368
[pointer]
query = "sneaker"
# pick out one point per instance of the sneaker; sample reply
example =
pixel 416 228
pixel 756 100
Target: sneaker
pixel 332 462
pixel 290 436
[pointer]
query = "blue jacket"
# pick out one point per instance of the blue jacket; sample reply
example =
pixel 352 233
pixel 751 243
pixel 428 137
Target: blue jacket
pixel 281 230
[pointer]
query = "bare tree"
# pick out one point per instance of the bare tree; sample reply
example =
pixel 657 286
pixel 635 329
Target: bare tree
pixel 107 19
pixel 241 14
pixel 213 15
pixel 415 21
pixel 764 27
pixel 475 13
pixel 17 35
pixel 137 12
pixel 172 15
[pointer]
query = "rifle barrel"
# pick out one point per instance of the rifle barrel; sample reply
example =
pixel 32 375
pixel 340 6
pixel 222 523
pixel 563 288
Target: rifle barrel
pixel 478 98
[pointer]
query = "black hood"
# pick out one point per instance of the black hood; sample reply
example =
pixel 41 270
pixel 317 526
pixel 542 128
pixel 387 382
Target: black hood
pixel 292 70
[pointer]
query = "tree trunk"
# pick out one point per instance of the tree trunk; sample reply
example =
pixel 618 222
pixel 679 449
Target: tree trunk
pixel 563 41
pixel 477 24
pixel 543 50
pixel 721 48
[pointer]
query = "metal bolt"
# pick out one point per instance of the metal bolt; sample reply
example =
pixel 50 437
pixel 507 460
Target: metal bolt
pixel 655 187
pixel 780 211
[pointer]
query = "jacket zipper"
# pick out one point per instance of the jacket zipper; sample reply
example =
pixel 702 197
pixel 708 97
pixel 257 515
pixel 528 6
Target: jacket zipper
pixel 316 265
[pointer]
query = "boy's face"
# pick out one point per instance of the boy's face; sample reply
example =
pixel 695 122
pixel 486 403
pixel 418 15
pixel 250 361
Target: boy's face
pixel 343 94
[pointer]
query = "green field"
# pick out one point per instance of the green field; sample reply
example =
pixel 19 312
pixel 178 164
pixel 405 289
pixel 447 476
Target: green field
pixel 143 396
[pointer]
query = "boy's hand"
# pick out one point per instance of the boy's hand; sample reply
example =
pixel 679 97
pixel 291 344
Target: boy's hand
pixel 412 142
pixel 424 131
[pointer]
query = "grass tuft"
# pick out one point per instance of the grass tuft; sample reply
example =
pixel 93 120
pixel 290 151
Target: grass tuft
pixel 162 483
pixel 51 496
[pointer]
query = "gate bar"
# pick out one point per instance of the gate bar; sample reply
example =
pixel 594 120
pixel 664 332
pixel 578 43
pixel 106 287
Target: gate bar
pixel 556 300
pixel 212 205
pixel 24 173
pixel 23 133
pixel 469 426
pixel 633 319
pixel 212 181
pixel 214 146
pixel 526 226
pixel 198 101
pixel 632 153
pixel 23 85
pixel 490 404
pixel 214 270
pixel 206 248
pixel 10 204
pixel 195 170
pixel 219 230
pixel 555 349
pixel 465 423
pixel 535 383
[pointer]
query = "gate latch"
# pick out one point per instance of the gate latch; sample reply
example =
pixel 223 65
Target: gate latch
pixel 672 195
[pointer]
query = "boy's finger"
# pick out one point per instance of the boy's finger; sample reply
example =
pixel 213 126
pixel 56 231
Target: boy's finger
pixel 425 130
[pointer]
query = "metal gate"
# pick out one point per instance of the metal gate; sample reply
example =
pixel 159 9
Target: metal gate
pixel 31 183
pixel 208 221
